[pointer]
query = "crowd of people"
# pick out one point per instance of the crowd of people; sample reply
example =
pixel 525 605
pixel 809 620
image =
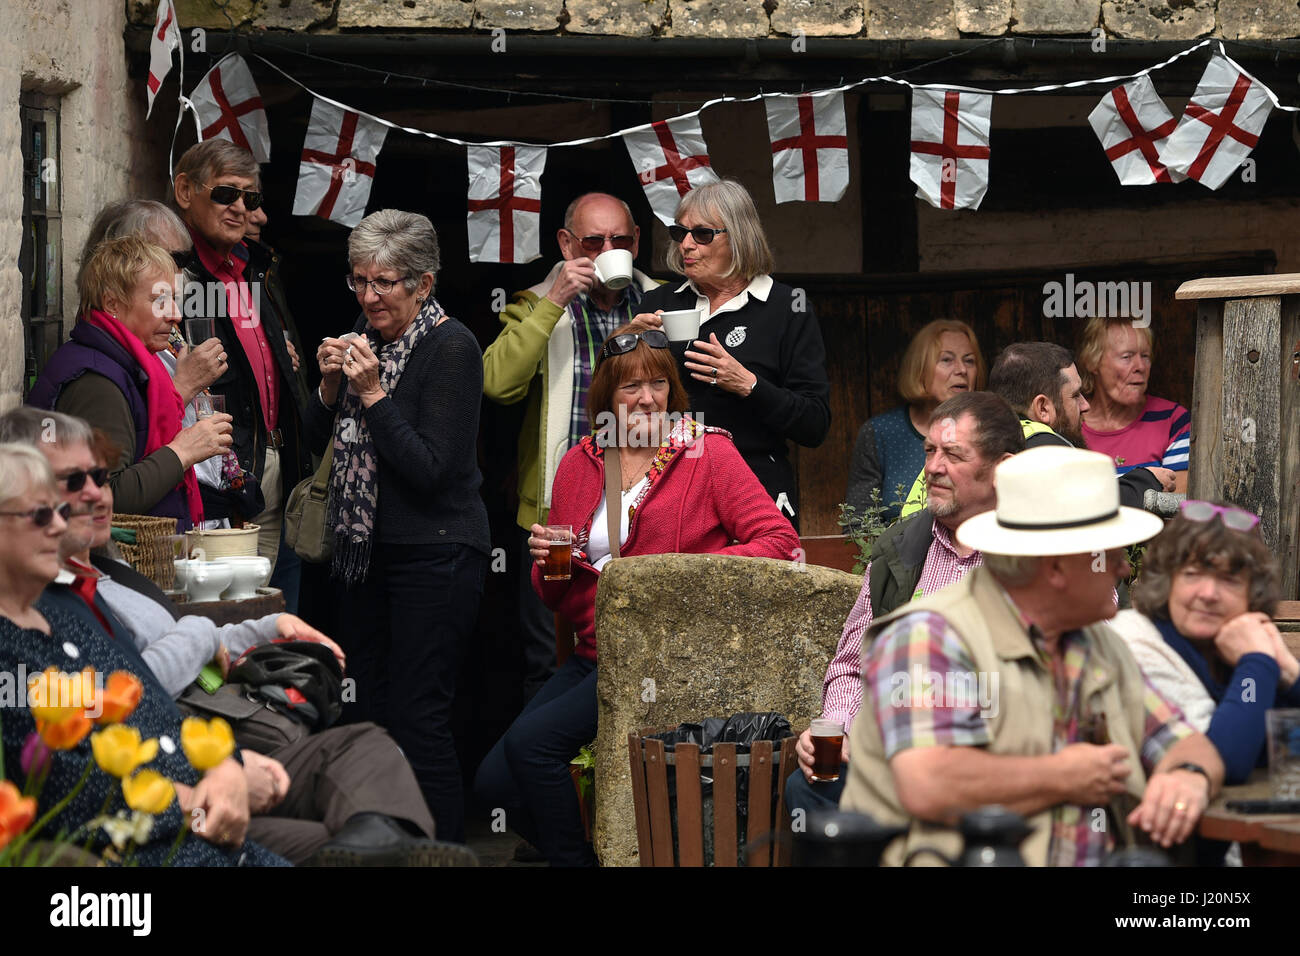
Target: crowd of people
pixel 1001 486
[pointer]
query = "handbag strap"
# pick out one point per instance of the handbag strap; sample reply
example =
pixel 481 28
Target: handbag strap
pixel 320 481
pixel 613 512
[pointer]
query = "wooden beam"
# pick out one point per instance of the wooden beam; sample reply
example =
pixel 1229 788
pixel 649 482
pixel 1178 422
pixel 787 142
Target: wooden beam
pixel 1251 408
pixel 1288 541
pixel 1239 287
pixel 1205 476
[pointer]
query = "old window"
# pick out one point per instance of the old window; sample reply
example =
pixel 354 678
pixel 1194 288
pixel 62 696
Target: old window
pixel 40 257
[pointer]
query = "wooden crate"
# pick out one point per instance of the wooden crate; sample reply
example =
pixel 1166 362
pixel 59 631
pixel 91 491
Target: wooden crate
pixel 765 845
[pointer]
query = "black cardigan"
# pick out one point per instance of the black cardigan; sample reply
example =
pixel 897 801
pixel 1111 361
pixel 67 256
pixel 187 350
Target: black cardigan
pixel 782 346
pixel 426 435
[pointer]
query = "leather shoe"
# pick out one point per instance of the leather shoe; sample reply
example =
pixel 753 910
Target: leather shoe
pixel 373 839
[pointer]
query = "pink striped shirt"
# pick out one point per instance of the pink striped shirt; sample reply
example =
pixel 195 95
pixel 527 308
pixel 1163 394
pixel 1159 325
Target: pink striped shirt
pixel 842 689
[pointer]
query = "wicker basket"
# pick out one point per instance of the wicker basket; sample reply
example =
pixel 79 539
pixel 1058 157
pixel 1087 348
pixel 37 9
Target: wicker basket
pixel 150 554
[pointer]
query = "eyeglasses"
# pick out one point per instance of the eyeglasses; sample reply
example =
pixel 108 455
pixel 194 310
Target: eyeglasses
pixel 42 516
pixel 596 243
pixel 1234 518
pixel 76 480
pixel 626 342
pixel 381 286
pixel 701 234
pixel 229 195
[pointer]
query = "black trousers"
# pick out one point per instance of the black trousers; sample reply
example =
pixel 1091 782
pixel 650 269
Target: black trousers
pixel 536 626
pixel 334 775
pixel 406 628
pixel 776 475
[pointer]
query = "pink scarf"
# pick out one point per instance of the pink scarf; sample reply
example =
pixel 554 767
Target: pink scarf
pixel 161 399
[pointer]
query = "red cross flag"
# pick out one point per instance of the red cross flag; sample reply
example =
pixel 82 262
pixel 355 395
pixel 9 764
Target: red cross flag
pixel 1133 124
pixel 229 107
pixel 166 37
pixel 338 164
pixel 670 159
pixel 505 202
pixel 950 147
pixel 1220 126
pixel 810 147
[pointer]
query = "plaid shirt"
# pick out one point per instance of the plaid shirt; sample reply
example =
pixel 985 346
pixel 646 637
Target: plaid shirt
pixel 842 689
pixel 923 643
pixel 591 327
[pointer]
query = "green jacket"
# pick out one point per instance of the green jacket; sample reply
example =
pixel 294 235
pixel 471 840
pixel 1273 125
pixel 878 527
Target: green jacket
pixel 897 559
pixel 532 358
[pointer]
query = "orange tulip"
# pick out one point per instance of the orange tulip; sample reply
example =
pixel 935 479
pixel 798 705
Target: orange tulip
pixel 64 735
pixel 16 812
pixel 122 694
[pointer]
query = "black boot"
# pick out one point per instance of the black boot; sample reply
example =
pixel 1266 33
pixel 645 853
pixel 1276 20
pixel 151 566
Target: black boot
pixel 373 839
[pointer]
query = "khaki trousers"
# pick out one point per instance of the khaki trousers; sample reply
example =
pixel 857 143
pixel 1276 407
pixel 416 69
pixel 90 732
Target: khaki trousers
pixel 270 520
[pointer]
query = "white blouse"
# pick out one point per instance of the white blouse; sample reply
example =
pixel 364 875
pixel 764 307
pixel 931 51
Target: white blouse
pixel 598 540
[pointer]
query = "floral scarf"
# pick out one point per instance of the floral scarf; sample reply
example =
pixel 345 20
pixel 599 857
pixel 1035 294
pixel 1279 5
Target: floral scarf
pixel 354 474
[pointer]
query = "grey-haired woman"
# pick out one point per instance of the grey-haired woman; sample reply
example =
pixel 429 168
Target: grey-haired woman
pixel 758 368
pixel 397 409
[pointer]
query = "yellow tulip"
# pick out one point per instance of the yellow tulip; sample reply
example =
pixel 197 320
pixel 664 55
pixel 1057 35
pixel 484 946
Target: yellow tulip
pixel 206 743
pixel 148 792
pixel 54 696
pixel 118 749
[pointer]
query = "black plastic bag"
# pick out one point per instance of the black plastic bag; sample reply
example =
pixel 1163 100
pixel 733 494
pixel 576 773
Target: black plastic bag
pixel 739 729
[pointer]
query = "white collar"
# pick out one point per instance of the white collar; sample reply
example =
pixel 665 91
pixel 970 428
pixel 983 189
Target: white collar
pixel 760 287
pixel 64 577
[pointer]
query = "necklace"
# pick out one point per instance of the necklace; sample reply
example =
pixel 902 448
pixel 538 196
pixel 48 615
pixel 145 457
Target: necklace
pixel 636 467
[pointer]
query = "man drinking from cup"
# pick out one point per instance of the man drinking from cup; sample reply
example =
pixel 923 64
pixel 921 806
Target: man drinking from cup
pixel 545 353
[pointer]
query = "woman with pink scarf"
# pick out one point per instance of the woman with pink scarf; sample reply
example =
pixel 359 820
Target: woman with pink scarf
pixel 109 374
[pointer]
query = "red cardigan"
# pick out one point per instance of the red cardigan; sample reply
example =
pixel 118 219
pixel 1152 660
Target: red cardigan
pixel 701 497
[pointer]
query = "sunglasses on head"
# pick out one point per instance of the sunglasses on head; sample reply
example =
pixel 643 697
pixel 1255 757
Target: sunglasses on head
pixel 593 244
pixel 42 516
pixel 620 344
pixel 701 234
pixel 1235 518
pixel 76 480
pixel 229 195
pixel 184 258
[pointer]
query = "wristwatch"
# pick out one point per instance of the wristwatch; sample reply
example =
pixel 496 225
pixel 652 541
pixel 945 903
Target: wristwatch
pixel 1194 768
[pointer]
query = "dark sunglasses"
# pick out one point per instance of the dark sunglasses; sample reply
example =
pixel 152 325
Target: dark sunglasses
pixel 596 243
pixel 76 480
pixel 701 234
pixel 1234 518
pixel 42 516
pixel 229 195
pixel 620 344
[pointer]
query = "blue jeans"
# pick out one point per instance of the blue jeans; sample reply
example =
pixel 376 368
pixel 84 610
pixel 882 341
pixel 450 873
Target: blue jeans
pixel 287 575
pixel 527 772
pixel 407 627
pixel 823 795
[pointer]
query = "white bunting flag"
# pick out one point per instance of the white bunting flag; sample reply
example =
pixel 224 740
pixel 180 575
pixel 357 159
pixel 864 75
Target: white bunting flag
pixel 229 107
pixel 670 159
pixel 338 164
pixel 165 38
pixel 810 147
pixel 505 203
pixel 950 147
pixel 1133 125
pixel 1220 126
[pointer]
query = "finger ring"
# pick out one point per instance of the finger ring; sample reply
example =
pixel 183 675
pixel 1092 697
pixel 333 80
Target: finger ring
pixel 1180 806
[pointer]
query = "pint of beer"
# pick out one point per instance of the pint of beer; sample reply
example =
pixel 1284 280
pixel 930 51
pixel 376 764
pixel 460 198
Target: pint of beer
pixel 827 744
pixel 559 560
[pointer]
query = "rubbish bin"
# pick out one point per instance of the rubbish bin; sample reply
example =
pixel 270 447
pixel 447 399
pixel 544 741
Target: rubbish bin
pixel 713 793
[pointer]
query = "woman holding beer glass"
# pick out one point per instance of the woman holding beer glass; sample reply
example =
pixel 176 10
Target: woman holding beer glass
pixel 397 409
pixel 685 489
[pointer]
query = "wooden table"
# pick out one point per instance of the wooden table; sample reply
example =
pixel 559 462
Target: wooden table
pixel 1266 839
pixel 267 601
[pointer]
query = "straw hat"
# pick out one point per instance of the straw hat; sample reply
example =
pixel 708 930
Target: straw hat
pixel 1057 500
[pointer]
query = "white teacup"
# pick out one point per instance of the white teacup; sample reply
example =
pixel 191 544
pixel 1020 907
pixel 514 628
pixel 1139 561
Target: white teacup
pixel 614 268
pixel 682 325
pixel 247 575
pixel 207 579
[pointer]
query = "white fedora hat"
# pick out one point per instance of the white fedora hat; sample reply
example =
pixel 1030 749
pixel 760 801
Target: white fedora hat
pixel 1057 500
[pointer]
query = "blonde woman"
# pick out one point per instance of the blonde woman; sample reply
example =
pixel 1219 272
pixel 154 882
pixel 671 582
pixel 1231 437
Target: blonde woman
pixel 942 360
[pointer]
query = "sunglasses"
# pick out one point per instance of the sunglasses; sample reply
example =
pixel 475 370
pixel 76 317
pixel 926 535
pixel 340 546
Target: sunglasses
pixel 1234 518
pixel 701 234
pixel 595 243
pixel 76 480
pixel 620 344
pixel 229 195
pixel 42 516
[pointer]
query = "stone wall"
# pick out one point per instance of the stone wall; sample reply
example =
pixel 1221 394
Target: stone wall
pixel 684 637
pixel 72 50
pixel 874 19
